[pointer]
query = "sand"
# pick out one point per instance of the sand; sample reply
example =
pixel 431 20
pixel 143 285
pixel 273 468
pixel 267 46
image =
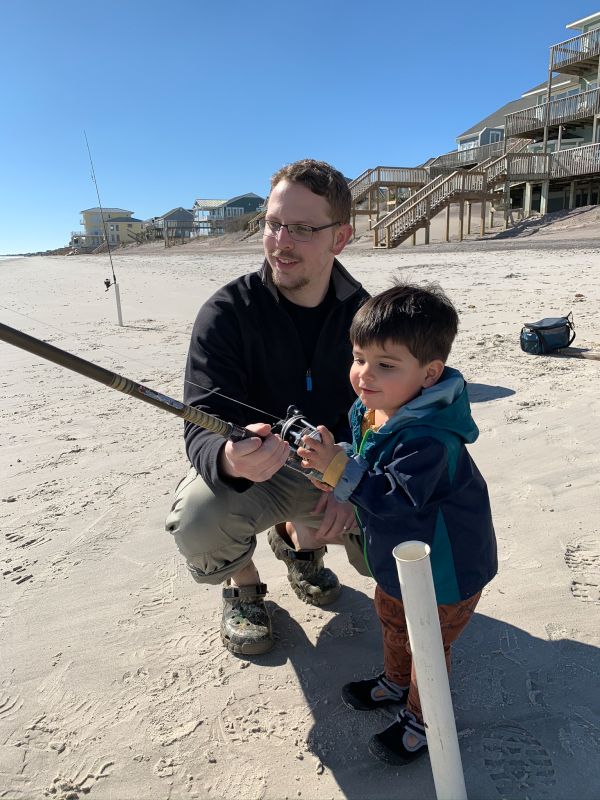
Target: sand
pixel 113 679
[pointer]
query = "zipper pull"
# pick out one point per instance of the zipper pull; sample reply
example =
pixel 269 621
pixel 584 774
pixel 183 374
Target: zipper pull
pixel 308 381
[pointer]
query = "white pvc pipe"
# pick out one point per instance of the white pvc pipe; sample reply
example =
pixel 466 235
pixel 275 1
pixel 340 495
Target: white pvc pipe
pixel 422 621
pixel 118 296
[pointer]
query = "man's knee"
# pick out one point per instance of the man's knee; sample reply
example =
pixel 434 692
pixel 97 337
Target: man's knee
pixel 215 543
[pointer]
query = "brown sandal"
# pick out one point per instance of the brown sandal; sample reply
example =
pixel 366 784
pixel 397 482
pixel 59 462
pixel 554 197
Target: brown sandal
pixel 246 625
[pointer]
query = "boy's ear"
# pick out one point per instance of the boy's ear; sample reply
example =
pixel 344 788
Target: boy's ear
pixel 434 370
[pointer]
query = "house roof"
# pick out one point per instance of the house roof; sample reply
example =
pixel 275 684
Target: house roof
pixel 560 79
pixel 240 196
pixel 186 212
pixel 579 23
pixel 97 210
pixel 208 204
pixel 496 118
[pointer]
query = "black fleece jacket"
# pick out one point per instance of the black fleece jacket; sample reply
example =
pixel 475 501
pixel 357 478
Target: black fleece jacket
pixel 244 345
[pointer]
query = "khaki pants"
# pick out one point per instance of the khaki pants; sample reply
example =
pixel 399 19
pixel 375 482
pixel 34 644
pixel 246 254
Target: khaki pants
pixel 215 528
pixel 397 656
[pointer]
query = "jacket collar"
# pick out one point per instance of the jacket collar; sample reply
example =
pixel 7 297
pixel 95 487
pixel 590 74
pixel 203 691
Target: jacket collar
pixel 344 284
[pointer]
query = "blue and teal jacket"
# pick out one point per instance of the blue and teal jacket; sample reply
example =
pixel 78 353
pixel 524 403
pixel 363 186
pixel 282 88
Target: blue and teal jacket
pixel 413 479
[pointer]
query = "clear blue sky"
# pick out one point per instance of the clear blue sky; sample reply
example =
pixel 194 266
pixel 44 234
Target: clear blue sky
pixel 199 99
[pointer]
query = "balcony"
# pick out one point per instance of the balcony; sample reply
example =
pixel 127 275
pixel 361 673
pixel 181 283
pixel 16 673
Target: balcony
pixel 472 155
pixel 569 109
pixel 576 161
pixel 577 56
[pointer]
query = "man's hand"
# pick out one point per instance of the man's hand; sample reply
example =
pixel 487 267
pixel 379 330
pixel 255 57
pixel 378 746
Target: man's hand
pixel 256 459
pixel 338 519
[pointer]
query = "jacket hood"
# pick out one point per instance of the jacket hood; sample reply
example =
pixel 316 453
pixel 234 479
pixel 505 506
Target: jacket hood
pixel 444 406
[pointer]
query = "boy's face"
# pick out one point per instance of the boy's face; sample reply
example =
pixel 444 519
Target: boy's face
pixel 386 376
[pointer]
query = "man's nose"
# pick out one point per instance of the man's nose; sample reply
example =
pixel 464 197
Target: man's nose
pixel 283 238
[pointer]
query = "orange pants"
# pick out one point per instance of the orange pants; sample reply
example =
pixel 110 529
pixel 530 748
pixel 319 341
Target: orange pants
pixel 397 657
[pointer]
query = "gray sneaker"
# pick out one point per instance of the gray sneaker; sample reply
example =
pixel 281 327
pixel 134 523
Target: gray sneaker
pixel 246 625
pixel 313 583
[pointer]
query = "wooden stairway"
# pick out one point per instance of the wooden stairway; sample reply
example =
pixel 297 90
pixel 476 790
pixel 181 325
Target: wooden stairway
pixel 475 184
pixel 252 226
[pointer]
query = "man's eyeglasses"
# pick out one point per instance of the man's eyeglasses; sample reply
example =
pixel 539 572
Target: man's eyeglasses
pixel 297 231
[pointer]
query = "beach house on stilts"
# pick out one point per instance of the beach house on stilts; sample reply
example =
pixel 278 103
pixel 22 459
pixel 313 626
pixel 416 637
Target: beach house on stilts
pixel 544 156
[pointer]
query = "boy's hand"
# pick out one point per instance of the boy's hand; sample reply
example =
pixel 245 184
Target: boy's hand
pixel 324 487
pixel 319 455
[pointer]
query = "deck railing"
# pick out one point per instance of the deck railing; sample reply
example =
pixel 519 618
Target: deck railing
pixel 472 155
pixel 579 48
pixel 397 176
pixel 567 109
pixel 575 161
pixel 518 167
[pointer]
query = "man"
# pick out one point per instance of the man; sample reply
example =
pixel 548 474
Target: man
pixel 267 340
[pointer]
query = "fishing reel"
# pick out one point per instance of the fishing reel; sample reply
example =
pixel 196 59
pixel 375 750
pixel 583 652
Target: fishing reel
pixel 292 429
pixel 107 283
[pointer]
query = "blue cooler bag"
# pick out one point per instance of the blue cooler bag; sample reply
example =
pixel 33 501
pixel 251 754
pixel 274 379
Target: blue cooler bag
pixel 550 333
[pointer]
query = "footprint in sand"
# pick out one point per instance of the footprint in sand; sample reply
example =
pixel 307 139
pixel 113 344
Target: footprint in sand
pixel 17 572
pixel 582 555
pixel 517 763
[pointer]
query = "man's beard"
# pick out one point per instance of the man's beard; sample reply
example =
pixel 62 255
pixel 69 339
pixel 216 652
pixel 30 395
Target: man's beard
pixel 300 282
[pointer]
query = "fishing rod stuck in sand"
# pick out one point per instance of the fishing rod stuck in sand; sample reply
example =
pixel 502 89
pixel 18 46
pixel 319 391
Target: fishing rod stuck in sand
pixel 107 281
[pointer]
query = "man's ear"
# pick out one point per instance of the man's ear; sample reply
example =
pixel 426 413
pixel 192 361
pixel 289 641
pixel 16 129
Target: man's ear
pixel 343 234
pixel 432 375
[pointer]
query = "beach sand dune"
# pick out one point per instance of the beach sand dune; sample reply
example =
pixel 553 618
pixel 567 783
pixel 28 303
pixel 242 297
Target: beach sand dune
pixel 114 682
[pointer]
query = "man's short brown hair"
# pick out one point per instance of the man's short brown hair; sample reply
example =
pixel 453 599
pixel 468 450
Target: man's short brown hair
pixel 322 179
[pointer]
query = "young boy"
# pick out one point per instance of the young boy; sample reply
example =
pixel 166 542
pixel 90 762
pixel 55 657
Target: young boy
pixel 409 475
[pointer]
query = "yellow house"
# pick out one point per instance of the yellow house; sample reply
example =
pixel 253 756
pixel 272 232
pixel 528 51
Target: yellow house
pixel 121 228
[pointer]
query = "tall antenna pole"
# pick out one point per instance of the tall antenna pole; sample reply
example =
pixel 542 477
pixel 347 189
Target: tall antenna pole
pixel 114 280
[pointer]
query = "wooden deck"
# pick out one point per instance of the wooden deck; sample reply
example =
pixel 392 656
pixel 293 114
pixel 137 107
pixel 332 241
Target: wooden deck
pixel 576 56
pixel 482 184
pixel 578 107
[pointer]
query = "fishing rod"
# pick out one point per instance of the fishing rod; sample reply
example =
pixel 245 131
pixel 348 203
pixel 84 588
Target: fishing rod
pixel 292 428
pixel 107 281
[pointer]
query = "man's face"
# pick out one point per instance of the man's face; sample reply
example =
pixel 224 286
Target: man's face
pixel 301 270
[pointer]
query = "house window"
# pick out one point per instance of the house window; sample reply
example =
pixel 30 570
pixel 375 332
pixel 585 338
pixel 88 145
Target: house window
pixel 129 226
pixel 495 136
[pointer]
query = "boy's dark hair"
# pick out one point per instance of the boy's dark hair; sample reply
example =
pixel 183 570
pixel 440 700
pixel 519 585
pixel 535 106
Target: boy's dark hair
pixel 322 179
pixel 422 318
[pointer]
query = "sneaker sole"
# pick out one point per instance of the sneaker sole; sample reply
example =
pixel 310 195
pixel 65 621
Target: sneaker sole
pixel 247 648
pixel 393 706
pixel 382 753
pixel 320 599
